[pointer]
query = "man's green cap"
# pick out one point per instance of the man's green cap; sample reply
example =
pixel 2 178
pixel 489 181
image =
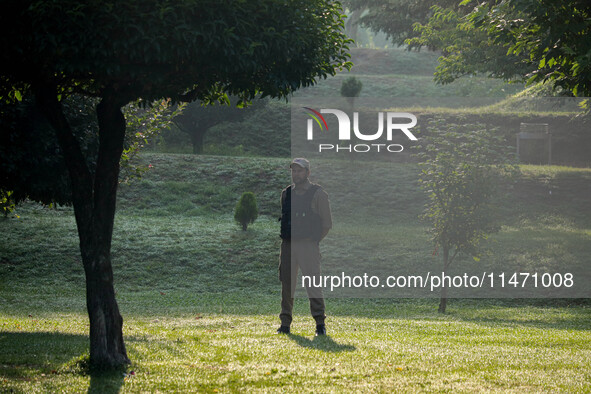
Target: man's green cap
pixel 300 161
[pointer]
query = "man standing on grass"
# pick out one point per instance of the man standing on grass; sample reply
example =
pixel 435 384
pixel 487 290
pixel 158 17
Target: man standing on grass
pixel 305 221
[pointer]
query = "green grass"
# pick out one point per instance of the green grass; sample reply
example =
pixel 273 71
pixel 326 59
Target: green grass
pixel 200 297
pixel 372 346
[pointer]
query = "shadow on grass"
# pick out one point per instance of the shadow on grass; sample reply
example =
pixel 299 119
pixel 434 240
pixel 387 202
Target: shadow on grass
pixel 324 343
pixel 565 314
pixel 556 314
pixel 107 382
pixel 47 352
pixel 25 356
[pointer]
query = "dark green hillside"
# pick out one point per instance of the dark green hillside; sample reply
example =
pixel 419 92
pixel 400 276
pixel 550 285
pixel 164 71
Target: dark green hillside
pixel 196 185
pixel 175 228
pixel 200 185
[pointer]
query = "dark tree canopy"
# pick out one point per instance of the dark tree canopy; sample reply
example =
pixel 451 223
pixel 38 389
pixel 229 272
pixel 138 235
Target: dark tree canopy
pixel 32 165
pixel 122 51
pixel 183 50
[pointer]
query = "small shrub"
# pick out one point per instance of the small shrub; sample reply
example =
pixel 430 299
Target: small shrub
pixel 351 88
pixel 246 210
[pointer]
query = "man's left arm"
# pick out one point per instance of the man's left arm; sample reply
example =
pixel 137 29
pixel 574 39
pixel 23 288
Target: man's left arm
pixel 323 205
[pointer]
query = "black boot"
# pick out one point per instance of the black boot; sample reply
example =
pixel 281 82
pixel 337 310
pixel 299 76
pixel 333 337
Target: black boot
pixel 320 329
pixel 283 330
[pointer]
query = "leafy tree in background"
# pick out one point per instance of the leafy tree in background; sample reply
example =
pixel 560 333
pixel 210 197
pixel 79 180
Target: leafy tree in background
pixel 197 118
pixel 533 40
pixel 465 48
pixel 246 210
pixel 352 23
pixel 119 52
pixel 554 35
pixel 461 169
pixel 537 41
pixel 395 18
pixel 442 25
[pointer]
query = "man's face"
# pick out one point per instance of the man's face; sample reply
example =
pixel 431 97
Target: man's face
pixel 298 174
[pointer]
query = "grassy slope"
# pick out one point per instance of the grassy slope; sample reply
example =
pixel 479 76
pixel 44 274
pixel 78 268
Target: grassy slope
pixel 397 72
pixel 200 297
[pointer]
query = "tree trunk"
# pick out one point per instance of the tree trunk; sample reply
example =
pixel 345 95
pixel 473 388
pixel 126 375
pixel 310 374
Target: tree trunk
pixel 196 132
pixel 106 324
pixel 94 201
pixel 197 140
pixel 443 300
pixel 107 349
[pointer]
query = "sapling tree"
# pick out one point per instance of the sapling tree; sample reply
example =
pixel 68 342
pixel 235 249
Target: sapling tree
pixel 462 167
pixel 246 210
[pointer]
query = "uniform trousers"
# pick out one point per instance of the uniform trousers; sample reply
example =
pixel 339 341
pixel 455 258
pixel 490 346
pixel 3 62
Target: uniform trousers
pixel 303 255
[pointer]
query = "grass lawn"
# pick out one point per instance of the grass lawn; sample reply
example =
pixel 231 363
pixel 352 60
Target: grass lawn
pixel 200 297
pixel 373 345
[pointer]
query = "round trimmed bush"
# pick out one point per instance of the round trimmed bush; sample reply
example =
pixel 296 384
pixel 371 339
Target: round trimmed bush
pixel 246 210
